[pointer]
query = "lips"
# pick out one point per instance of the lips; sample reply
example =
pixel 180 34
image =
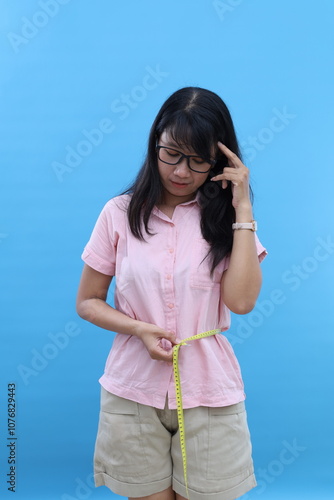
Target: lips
pixel 179 185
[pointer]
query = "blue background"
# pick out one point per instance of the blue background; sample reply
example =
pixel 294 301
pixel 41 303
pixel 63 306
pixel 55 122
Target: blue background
pixel 67 65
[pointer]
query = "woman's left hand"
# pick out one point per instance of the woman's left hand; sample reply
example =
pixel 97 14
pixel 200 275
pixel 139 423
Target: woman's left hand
pixel 238 174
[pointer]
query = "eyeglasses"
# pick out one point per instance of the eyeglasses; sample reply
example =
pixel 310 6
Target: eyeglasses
pixel 172 156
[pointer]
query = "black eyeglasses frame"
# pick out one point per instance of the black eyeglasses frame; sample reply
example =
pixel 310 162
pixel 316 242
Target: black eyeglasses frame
pixel 211 162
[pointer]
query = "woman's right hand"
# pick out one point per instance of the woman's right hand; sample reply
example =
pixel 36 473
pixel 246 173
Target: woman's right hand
pixel 152 337
pixel 92 306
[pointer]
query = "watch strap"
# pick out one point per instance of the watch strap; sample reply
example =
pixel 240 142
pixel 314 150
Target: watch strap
pixel 245 225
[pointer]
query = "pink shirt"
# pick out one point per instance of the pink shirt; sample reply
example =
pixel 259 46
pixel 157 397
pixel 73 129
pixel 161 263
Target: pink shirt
pixel 163 281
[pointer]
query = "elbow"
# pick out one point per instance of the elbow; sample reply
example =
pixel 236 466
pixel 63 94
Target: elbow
pixel 241 301
pixel 80 310
pixel 242 307
pixel 84 310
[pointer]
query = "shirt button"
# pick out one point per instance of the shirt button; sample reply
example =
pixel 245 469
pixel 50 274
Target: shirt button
pixel 170 306
pixel 169 276
pixel 171 250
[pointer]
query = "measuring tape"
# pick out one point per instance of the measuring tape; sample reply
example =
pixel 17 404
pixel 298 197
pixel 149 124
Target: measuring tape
pixel 178 393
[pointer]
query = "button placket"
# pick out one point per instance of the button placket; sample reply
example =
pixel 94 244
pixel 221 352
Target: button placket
pixel 169 282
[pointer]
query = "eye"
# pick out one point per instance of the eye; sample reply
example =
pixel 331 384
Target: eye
pixel 172 152
pixel 198 160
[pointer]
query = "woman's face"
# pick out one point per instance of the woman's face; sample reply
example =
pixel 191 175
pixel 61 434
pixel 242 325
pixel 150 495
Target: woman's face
pixel 180 184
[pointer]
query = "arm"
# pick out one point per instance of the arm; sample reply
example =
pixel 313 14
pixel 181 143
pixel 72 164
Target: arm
pixel 241 282
pixel 92 306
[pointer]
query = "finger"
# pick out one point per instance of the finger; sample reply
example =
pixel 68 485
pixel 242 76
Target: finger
pixel 224 149
pixel 232 157
pixel 228 175
pixel 160 354
pixel 222 179
pixel 167 356
pixel 170 337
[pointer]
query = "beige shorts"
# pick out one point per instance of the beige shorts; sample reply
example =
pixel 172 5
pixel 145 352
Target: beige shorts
pixel 137 450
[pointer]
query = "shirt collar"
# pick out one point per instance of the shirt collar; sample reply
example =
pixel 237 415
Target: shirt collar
pixel 161 215
pixel 194 200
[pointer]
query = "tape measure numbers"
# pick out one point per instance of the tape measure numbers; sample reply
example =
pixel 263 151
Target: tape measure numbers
pixel 178 393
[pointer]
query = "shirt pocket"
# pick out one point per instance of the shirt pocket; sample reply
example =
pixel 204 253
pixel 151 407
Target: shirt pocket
pixel 200 264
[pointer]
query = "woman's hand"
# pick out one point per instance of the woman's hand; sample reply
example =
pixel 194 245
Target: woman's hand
pixel 92 306
pixel 238 174
pixel 154 339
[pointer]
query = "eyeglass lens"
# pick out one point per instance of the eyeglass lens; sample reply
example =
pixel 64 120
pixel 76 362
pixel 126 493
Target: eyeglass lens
pixel 172 157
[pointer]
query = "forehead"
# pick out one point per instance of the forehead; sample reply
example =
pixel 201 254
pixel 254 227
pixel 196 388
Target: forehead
pixel 166 139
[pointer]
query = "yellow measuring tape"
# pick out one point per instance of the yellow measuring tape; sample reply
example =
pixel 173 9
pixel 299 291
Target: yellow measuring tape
pixel 178 392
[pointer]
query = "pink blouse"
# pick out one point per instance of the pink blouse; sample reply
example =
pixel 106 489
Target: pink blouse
pixel 164 281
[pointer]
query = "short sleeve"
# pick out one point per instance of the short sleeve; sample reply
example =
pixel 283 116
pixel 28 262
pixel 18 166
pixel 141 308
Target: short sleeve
pixel 261 251
pixel 100 251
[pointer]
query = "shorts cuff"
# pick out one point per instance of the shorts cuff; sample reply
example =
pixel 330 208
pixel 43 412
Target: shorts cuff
pixel 231 494
pixel 131 489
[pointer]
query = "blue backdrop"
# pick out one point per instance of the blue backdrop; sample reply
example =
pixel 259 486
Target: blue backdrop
pixel 81 83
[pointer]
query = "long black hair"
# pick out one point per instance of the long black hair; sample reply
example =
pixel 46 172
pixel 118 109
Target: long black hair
pixel 197 118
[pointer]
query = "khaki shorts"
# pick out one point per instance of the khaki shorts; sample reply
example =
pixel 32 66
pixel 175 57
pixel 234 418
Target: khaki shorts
pixel 138 452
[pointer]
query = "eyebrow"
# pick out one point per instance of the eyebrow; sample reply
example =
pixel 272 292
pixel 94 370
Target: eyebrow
pixel 173 145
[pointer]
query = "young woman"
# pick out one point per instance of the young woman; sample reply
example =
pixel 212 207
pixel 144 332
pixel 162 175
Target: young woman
pixel 181 244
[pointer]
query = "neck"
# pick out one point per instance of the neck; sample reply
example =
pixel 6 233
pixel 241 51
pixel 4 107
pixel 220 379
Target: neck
pixel 172 201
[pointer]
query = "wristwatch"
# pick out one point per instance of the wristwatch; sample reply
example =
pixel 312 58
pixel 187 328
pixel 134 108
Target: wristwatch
pixel 245 225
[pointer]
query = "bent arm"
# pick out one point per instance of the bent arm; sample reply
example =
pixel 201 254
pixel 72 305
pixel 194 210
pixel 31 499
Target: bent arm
pixel 91 305
pixel 241 282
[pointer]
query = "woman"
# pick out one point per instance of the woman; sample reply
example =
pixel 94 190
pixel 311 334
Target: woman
pixel 180 267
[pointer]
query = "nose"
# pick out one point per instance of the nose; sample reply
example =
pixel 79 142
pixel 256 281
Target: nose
pixel 182 169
